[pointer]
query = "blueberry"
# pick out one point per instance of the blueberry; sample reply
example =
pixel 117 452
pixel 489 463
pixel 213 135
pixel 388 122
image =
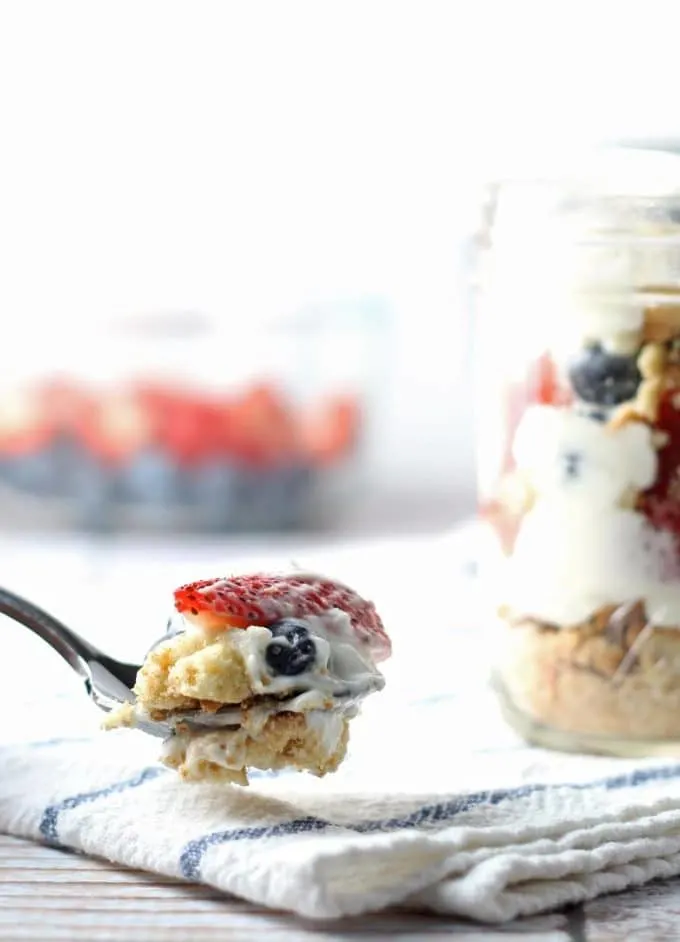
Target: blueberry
pixel 274 499
pixel 210 490
pixel 292 651
pixel 150 477
pixel 68 458
pixel 33 473
pixel 92 487
pixel 603 378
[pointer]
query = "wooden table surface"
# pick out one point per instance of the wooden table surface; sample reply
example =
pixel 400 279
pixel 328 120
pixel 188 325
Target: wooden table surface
pixel 48 895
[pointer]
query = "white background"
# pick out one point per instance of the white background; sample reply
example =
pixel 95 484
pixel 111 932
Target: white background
pixel 251 155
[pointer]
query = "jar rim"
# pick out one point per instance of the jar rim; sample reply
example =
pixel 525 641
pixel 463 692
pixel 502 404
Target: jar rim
pixel 610 172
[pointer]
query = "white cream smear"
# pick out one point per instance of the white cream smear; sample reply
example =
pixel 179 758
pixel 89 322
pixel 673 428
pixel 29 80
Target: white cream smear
pixel 340 667
pixel 579 548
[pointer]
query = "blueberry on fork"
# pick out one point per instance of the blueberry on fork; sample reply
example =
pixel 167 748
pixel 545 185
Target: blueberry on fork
pixel 291 650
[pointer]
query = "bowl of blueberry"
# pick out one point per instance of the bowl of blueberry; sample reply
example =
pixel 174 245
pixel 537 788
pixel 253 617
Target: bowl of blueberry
pixel 192 424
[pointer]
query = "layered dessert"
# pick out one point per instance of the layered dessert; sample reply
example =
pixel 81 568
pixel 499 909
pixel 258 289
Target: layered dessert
pixel 587 505
pixel 260 671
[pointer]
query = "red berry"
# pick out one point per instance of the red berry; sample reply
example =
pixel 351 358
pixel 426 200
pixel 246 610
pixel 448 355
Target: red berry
pixel 540 386
pixel 661 502
pixel 260 599
pixel 262 428
pixel 544 385
pixel 118 428
pixel 67 407
pixel 24 427
pixel 331 431
pixel 186 434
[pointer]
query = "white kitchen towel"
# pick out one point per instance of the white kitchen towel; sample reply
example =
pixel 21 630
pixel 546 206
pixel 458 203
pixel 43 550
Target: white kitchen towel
pixel 438 806
pixel 423 814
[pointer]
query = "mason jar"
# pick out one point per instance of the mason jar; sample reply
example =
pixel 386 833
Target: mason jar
pixel 579 451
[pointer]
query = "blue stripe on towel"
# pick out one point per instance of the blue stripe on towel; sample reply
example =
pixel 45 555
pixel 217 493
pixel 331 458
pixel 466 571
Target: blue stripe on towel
pixel 60 741
pixel 426 816
pixel 192 856
pixel 50 819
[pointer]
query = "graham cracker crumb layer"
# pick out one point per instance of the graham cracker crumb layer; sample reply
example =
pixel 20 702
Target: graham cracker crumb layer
pixel 613 674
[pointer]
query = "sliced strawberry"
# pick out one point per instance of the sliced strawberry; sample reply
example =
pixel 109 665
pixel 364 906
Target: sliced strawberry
pixel 221 604
pixel 667 483
pixel 661 502
pixel 24 427
pixel 505 523
pixel 541 386
pixel 183 423
pixel 544 386
pixel 331 431
pixel 117 429
pixel 188 430
pixel 262 427
pixel 66 406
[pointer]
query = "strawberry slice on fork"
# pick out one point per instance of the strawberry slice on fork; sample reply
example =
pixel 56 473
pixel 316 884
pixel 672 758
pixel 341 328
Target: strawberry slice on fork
pixel 239 601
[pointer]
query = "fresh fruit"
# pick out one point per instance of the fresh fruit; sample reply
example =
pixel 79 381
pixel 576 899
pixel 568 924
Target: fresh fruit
pixel 661 502
pixel 292 651
pixel 244 462
pixel 92 486
pixel 23 427
pixel 662 513
pixel 220 604
pixel 272 498
pixel 67 408
pixel 116 430
pixel 149 477
pixel 604 378
pixel 211 492
pixel 33 472
pixel 330 431
pixel 262 427
pixel 541 386
pixel 188 435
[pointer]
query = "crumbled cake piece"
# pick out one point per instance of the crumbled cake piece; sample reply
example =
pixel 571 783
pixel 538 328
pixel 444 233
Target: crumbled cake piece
pixel 661 321
pixel 286 740
pixel 191 667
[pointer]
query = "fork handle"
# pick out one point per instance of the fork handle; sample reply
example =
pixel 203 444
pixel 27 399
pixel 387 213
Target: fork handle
pixel 75 650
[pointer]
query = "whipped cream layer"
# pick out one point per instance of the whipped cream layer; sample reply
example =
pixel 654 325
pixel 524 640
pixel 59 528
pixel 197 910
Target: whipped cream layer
pixel 340 667
pixel 341 670
pixel 581 547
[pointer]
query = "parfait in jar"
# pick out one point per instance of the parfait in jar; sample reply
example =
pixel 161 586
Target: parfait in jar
pixel 585 500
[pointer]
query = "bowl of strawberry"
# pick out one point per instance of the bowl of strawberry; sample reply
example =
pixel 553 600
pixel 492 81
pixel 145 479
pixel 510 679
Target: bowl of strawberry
pixel 153 454
pixel 192 423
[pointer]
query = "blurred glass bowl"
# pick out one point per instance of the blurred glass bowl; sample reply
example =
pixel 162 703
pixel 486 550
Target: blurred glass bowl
pixel 189 423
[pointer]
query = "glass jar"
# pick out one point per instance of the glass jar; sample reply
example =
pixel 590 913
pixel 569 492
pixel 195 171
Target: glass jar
pixel 579 451
pixel 182 422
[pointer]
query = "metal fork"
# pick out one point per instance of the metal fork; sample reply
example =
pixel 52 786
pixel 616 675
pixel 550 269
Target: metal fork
pixel 107 681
